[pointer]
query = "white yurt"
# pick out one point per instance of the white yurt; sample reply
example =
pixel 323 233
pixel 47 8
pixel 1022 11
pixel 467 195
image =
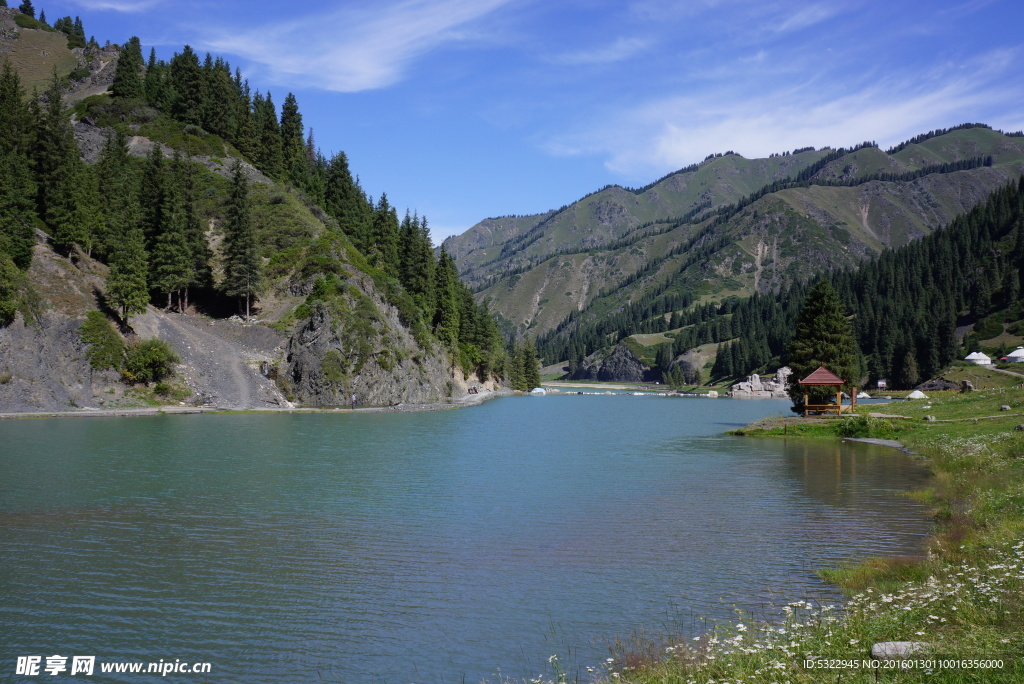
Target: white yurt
pixel 1017 355
pixel 978 358
pixel 917 394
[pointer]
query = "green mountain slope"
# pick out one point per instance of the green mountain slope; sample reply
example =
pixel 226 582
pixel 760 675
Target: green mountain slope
pixel 172 197
pixel 617 246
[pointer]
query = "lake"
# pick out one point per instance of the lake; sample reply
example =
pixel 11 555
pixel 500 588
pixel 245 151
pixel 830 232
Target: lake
pixel 422 547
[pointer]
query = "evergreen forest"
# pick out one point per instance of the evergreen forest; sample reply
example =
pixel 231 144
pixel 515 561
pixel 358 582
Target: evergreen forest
pixel 905 305
pixel 205 220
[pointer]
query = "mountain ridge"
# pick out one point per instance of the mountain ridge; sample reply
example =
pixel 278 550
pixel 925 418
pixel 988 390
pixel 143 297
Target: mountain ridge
pixel 610 246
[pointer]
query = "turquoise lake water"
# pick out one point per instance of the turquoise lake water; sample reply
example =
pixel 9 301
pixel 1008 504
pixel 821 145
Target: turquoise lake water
pixel 422 547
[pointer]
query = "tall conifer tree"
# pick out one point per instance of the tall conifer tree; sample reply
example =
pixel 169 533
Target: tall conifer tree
pixel 243 267
pixel 347 203
pixel 127 282
pixel 128 76
pixel 187 81
pixel 822 336
pixel 17 186
pixel 446 312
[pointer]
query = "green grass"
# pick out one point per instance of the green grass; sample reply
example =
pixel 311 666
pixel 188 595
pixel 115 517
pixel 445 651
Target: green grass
pixel 189 139
pixel 35 54
pixel 983 378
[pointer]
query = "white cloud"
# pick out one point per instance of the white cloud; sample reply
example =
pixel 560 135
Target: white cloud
pixel 128 6
pixel 808 16
pixel 354 49
pixel 672 132
pixel 621 49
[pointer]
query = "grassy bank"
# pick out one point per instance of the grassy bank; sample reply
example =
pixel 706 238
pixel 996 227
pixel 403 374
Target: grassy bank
pixel 962 602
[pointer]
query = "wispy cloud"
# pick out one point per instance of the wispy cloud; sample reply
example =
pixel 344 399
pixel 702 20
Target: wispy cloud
pixel 355 49
pixel 621 49
pixel 671 132
pixel 129 6
pixel 808 16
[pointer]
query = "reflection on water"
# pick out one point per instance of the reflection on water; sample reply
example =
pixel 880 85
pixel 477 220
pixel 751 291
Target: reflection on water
pixel 418 547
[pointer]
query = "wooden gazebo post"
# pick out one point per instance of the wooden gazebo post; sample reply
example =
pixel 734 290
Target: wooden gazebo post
pixel 823 377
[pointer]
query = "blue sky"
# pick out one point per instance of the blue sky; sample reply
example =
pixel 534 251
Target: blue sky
pixel 464 109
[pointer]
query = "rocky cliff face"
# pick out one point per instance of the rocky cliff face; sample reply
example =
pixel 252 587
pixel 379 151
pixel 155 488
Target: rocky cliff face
pixel 355 344
pixel 352 343
pixel 43 366
pixel 618 365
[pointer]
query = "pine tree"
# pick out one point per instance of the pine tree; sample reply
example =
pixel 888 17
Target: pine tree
pixel 195 235
pixel 27 8
pixel 187 81
pixel 292 143
pixel 268 150
pixel 417 268
pixel 221 114
pixel 446 312
pixel 77 37
pixel 152 189
pixel 346 202
pixel 529 366
pixel 128 76
pixel 153 82
pixel 117 179
pixel 822 336
pixel 171 268
pixel 17 215
pixel 908 375
pixel 17 186
pixel 127 285
pixel 67 197
pixel 243 267
pixel 385 236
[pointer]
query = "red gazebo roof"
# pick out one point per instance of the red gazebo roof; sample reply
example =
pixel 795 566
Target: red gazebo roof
pixel 822 376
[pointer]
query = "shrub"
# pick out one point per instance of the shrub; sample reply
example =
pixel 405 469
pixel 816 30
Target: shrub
pixel 988 328
pixel 106 348
pixel 28 22
pixel 149 360
pixel 79 74
pixel 333 366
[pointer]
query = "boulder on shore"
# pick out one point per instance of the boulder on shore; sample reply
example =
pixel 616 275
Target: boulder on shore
pixel 756 388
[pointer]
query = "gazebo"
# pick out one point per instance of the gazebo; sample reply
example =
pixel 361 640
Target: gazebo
pixel 824 377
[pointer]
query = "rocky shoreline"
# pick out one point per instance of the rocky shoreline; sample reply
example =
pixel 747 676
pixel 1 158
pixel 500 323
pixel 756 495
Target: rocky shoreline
pixel 464 401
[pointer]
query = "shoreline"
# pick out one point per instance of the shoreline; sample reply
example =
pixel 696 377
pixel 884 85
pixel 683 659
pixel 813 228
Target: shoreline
pixel 959 600
pixel 465 401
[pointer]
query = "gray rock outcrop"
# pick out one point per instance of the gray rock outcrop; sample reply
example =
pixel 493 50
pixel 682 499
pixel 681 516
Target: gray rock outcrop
pixel 756 388
pixel 939 384
pixel 359 347
pixel 618 365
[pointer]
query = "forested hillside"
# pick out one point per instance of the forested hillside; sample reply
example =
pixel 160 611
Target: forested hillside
pixel 906 305
pixel 727 226
pixel 204 198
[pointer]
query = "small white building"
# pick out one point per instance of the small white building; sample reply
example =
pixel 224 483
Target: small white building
pixel 978 358
pixel 1016 356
